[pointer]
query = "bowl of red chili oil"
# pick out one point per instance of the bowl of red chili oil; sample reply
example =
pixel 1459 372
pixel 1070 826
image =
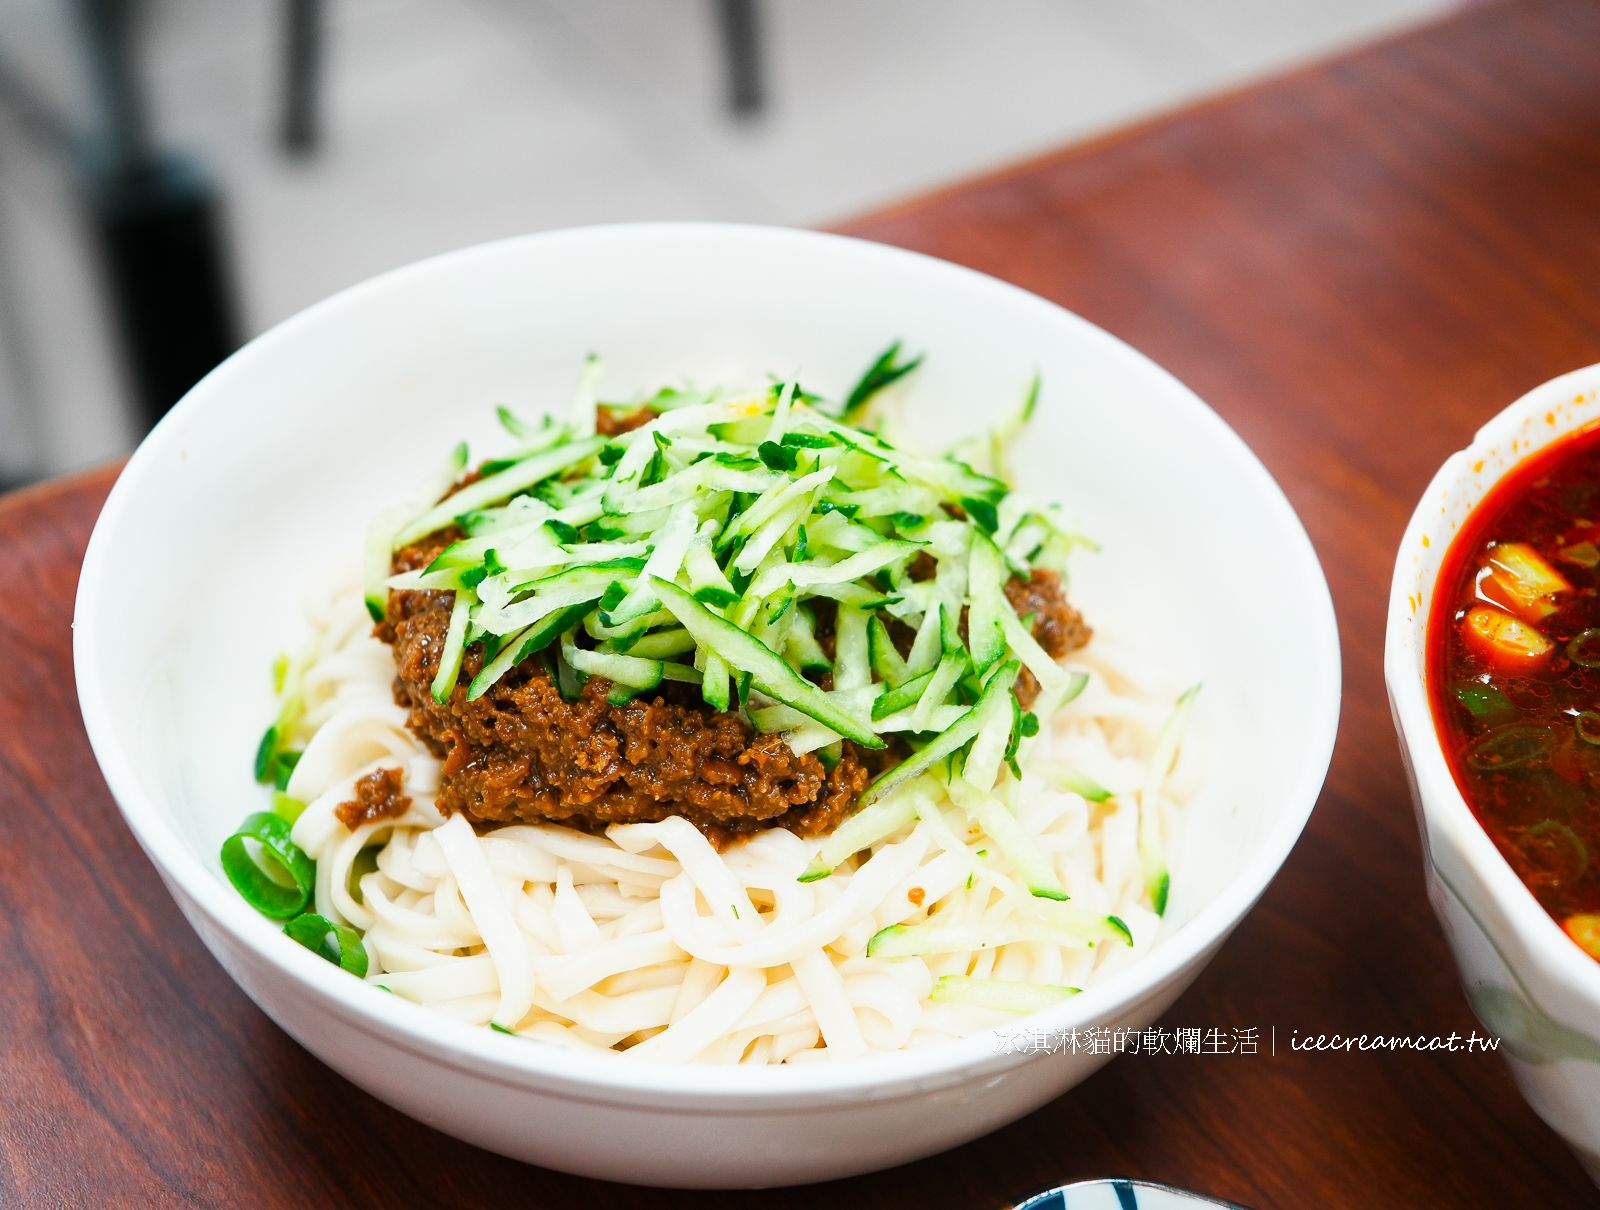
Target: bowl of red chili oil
pixel 1493 666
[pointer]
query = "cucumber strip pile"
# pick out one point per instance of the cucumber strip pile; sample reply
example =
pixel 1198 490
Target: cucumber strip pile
pixel 703 546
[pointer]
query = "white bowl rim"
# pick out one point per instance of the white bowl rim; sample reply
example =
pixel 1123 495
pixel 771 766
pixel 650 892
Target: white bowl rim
pixel 1547 942
pixel 712 1088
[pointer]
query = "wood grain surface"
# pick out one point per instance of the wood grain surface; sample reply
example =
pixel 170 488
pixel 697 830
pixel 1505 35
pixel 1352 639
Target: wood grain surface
pixel 1355 266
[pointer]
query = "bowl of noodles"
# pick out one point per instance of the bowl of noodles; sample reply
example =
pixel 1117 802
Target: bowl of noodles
pixel 705 706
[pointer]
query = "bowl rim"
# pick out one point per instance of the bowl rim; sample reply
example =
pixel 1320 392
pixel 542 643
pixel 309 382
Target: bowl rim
pixel 481 1051
pixel 1438 796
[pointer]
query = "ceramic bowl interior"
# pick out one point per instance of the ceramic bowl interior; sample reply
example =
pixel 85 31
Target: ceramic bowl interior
pixel 270 468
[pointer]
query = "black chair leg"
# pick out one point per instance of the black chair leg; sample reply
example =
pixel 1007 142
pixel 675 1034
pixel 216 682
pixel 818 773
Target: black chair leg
pixel 741 48
pixel 159 223
pixel 302 75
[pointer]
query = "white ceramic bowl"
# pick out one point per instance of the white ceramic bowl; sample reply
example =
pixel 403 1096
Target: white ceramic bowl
pixel 1528 983
pixel 274 462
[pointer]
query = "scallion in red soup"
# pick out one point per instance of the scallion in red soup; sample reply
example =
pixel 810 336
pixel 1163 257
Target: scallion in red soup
pixel 1514 675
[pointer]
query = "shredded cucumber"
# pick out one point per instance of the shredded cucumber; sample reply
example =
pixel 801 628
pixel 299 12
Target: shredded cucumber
pixel 999 993
pixel 885 659
pixel 384 526
pixel 943 679
pixel 989 748
pixel 919 940
pixel 455 645
pixel 996 698
pixel 619 669
pixel 518 477
pixel 1152 851
pixel 863 829
pixel 1078 920
pixel 664 644
pixel 522 644
pixel 902 697
pixel 928 645
pixel 985 638
pixel 1065 777
pixel 771 674
pixel 704 545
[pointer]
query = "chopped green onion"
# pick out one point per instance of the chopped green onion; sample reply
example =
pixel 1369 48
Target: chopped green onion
pixel 284 769
pixel 1484 702
pixel 1587 725
pixel 269 870
pixel 338 944
pixel 266 755
pixel 1576 649
pixel 364 863
pixel 1510 748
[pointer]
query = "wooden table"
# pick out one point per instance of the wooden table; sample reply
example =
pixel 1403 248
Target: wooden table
pixel 1355 266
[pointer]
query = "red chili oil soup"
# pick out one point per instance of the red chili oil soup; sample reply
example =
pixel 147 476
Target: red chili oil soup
pixel 1514 674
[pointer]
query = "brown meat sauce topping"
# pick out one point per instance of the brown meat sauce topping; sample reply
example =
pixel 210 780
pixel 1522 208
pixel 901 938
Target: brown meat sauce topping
pixel 1057 626
pixel 377 797
pixel 522 753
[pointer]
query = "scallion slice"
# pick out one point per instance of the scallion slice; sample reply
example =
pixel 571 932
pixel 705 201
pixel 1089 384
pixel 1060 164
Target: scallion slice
pixel 338 944
pixel 269 870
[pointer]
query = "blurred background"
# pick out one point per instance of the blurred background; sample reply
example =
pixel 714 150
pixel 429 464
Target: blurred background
pixel 177 176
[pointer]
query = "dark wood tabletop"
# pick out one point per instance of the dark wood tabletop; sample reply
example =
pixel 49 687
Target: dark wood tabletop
pixel 1356 266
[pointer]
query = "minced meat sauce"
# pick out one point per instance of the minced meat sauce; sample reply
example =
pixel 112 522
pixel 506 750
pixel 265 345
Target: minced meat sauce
pixel 377 797
pixel 522 753
pixel 1057 626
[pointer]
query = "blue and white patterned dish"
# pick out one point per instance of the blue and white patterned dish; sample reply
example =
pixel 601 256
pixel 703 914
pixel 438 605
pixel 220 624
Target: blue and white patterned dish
pixel 1116 1193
